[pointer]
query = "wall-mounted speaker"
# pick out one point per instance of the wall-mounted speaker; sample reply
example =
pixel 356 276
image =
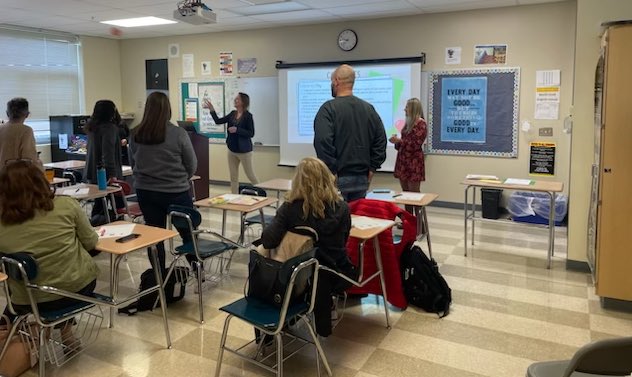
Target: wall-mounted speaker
pixel 157 74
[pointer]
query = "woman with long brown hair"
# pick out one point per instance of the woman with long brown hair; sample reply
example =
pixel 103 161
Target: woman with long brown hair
pixel 53 228
pixel 163 161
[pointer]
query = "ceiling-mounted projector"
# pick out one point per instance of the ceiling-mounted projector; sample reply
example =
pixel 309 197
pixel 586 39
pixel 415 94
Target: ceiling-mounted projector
pixel 194 12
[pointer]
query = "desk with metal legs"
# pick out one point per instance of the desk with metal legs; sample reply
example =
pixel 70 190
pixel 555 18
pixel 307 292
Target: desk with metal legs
pixel 364 235
pixel 548 187
pixel 149 237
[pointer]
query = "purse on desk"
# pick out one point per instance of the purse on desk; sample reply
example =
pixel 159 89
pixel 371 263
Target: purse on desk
pixel 270 270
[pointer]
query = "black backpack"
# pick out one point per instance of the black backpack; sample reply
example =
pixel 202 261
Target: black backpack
pixel 423 285
pixel 174 290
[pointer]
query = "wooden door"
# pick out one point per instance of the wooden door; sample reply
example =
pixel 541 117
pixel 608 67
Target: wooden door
pixel 614 239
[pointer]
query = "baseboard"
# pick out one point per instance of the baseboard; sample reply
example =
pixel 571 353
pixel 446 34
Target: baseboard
pixel 576 265
pixel 615 304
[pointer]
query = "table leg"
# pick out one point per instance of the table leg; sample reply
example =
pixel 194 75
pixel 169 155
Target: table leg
pixel 551 229
pixel 224 222
pixel 417 212
pixel 473 212
pixel 161 294
pixel 424 218
pixel 465 217
pixel 378 261
pixel 105 207
pixel 111 324
pixel 242 227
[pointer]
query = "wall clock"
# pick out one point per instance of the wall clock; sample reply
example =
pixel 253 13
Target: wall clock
pixel 347 40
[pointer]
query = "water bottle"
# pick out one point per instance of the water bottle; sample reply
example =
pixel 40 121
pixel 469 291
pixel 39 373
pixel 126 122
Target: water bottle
pixel 102 181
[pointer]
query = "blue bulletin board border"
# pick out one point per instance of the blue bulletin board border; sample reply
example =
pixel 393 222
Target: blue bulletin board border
pixel 474 112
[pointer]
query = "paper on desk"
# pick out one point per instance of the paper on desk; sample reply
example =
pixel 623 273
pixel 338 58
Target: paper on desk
pixel 516 181
pixel 412 196
pixel 236 199
pixel 221 199
pixel 73 192
pixel 108 231
pixel 363 222
pixel 480 176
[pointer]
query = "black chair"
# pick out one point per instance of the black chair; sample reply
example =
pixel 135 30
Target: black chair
pixel 274 321
pixel 609 357
pixel 196 249
pixel 85 316
pixel 261 219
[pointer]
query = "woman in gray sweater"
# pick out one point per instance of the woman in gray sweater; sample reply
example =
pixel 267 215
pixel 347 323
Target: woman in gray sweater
pixel 163 161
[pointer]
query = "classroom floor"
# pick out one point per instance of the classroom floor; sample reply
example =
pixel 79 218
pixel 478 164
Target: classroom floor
pixel 508 310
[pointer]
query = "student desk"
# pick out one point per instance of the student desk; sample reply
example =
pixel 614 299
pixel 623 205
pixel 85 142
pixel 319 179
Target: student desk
pixel 92 194
pixel 419 207
pixel 149 237
pixel 549 187
pixel 59 181
pixel 241 208
pixel 364 235
pixel 127 170
pixel 66 165
pixel 278 185
pixel 3 277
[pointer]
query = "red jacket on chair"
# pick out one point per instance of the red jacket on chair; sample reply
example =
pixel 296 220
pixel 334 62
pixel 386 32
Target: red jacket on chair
pixel 389 250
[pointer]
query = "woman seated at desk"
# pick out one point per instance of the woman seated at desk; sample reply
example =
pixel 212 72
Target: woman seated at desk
pixel 54 229
pixel 314 201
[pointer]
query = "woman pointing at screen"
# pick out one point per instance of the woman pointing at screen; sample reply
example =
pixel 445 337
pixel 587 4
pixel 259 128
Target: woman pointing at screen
pixel 241 129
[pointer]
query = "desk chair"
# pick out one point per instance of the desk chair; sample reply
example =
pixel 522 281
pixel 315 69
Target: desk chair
pixel 274 321
pixel 130 209
pixel 609 357
pixel 195 249
pixel 261 219
pixel 85 316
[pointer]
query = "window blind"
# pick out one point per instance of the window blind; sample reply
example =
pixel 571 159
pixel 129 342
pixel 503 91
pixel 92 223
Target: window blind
pixel 45 68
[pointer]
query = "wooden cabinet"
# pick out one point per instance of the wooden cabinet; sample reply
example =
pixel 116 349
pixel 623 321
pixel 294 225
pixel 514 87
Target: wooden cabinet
pixel 613 256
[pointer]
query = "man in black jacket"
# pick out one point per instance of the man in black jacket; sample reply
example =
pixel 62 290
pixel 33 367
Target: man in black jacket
pixel 349 136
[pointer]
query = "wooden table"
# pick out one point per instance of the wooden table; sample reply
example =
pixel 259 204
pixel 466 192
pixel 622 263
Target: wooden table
pixel 548 187
pixel 277 184
pixel 419 207
pixel 92 194
pixel 59 181
pixel 241 208
pixel 364 235
pixel 70 164
pixel 149 237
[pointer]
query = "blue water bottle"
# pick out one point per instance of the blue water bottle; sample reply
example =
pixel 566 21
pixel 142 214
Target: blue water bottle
pixel 102 181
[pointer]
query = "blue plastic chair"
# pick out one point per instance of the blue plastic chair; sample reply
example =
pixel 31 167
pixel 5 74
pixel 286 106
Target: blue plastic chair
pixel 22 267
pixel 187 220
pixel 274 321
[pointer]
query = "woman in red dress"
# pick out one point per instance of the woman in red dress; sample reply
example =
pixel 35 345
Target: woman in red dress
pixel 410 166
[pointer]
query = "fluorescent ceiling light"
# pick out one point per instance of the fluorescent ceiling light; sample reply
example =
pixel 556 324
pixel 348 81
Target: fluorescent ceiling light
pixel 286 6
pixel 139 21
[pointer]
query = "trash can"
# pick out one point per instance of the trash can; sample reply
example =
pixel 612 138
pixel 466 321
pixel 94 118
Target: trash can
pixel 491 202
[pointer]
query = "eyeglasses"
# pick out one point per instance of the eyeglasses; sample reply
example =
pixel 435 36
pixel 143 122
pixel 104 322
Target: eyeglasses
pixel 14 160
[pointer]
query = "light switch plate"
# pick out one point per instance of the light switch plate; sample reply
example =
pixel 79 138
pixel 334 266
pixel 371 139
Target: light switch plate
pixel 546 131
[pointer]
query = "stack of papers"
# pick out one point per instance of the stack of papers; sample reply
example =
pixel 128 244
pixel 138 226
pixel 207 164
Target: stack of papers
pixel 108 231
pixel 74 192
pixel 516 181
pixel 410 196
pixel 363 222
pixel 247 200
pixel 481 177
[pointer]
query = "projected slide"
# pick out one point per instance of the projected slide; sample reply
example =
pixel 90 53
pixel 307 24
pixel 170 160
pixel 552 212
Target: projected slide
pixel 386 86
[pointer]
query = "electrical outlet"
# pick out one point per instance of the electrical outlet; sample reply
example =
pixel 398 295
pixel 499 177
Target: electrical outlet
pixel 546 131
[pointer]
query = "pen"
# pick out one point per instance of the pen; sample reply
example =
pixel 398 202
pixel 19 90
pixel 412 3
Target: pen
pixel 396 195
pixel 77 190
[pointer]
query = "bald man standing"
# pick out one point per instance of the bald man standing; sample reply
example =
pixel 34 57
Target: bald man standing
pixel 349 136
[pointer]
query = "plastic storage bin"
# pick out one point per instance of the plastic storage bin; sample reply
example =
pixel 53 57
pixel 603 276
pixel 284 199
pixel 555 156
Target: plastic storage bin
pixel 533 207
pixel 491 202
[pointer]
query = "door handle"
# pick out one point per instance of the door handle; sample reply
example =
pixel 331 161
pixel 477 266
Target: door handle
pixel 607 170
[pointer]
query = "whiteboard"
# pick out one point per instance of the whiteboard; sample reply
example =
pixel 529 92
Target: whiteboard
pixel 264 106
pixel 264 103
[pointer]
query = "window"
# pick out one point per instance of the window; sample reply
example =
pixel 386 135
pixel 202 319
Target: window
pixel 44 68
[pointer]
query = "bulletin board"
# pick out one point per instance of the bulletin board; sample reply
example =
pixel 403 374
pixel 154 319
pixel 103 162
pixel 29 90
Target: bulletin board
pixel 264 105
pixel 474 112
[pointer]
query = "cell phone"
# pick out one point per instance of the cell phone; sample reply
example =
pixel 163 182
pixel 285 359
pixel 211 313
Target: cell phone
pixel 129 237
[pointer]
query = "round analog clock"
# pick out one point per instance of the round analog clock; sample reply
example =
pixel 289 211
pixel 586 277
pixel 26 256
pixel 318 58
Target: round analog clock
pixel 347 40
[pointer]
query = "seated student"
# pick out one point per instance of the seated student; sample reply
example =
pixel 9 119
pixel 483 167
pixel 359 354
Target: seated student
pixel 314 201
pixel 54 229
